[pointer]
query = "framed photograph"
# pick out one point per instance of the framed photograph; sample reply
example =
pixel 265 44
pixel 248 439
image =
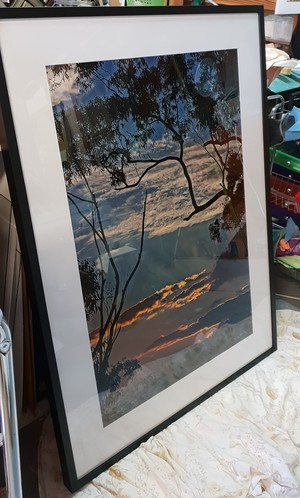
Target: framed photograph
pixel 287 7
pixel 137 166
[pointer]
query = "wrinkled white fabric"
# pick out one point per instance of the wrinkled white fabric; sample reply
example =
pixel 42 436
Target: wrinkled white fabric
pixel 242 442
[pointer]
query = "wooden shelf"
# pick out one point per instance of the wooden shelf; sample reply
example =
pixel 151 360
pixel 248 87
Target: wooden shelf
pixel 268 5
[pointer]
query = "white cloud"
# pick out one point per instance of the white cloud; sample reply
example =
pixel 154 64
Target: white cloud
pixel 62 87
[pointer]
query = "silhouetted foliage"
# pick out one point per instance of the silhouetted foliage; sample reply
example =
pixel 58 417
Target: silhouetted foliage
pixel 90 286
pixel 181 97
pixel 175 99
pixel 111 379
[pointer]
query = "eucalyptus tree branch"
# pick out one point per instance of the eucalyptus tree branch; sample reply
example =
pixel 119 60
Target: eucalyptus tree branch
pixel 116 330
pixel 156 163
pixel 204 206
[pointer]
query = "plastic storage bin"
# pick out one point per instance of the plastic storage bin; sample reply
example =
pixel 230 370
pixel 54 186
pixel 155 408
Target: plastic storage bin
pixel 279 28
pixel 145 3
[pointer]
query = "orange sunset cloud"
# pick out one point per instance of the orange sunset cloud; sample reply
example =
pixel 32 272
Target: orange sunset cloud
pixel 171 342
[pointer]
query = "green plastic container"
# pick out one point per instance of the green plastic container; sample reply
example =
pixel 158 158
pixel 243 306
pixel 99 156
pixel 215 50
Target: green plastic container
pixel 286 160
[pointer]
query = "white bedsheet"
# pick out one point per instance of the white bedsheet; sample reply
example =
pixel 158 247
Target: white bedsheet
pixel 242 442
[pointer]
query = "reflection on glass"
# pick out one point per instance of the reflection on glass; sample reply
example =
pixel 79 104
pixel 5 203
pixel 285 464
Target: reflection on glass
pixel 152 159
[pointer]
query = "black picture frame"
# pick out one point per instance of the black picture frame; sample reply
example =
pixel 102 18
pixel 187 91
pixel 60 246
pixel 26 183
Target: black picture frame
pixel 76 36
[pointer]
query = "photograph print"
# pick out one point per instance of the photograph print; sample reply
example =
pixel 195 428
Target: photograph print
pixel 151 153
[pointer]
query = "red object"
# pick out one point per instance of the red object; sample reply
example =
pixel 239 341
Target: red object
pixel 297 197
